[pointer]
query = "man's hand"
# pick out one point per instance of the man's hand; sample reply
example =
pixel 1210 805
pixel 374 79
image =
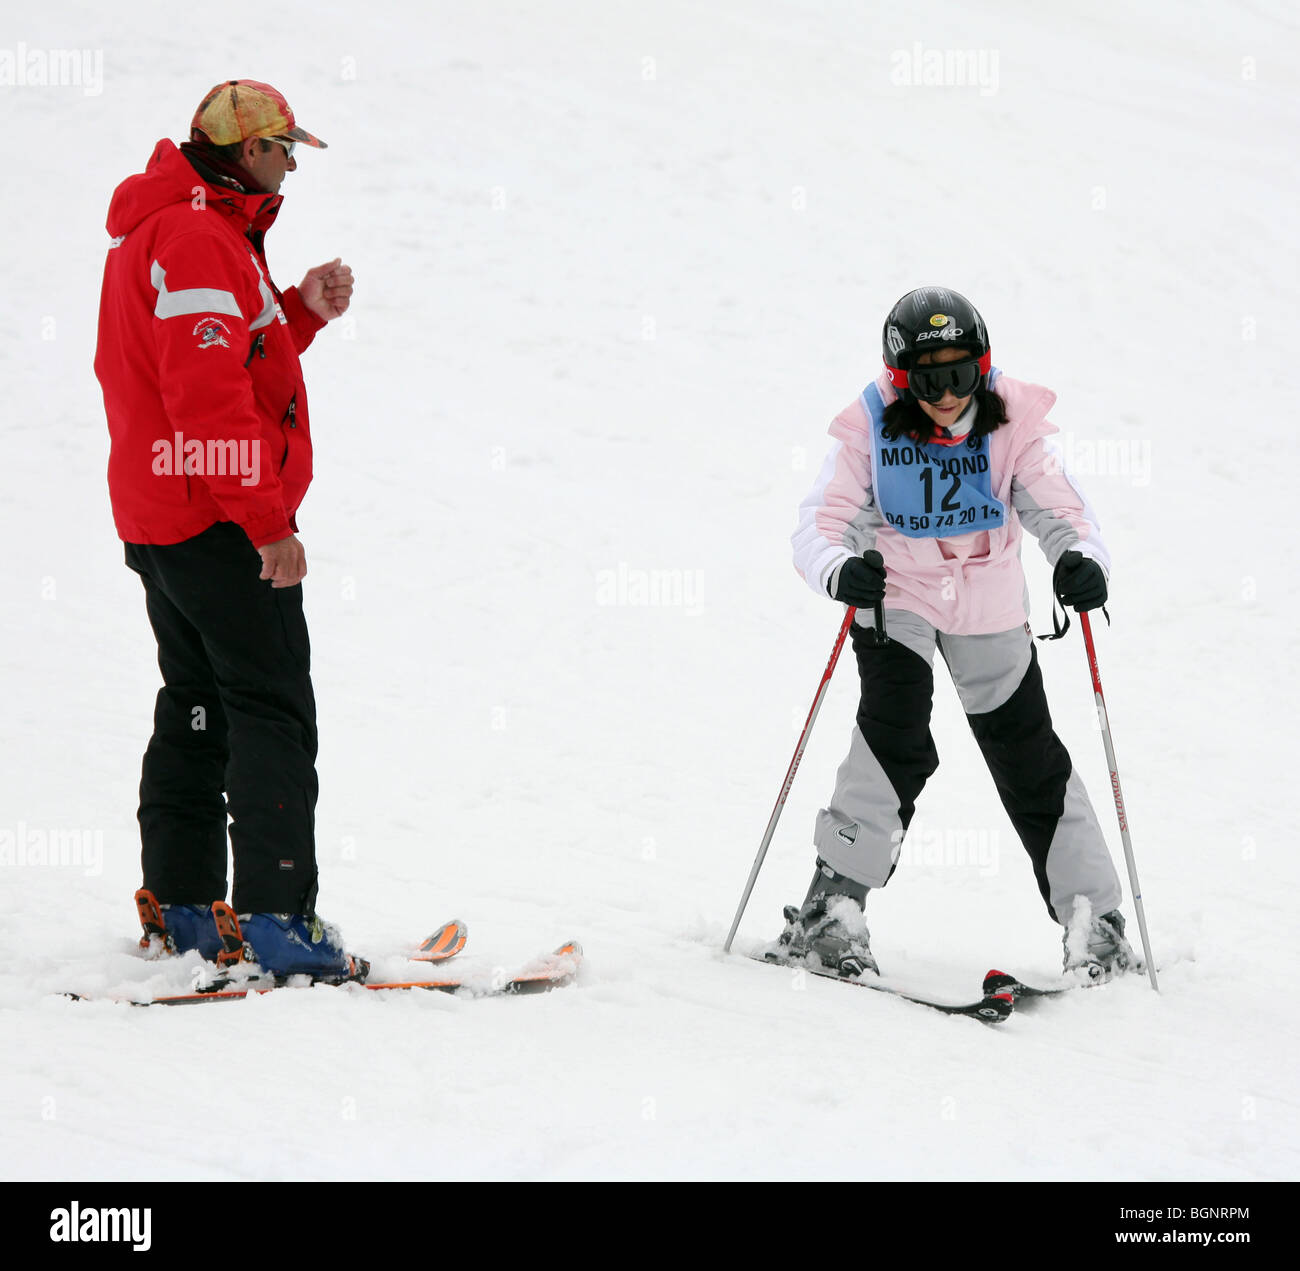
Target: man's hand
pixel 284 563
pixel 327 289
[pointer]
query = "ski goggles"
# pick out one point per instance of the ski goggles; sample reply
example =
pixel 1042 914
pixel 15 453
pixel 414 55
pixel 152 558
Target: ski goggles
pixel 930 383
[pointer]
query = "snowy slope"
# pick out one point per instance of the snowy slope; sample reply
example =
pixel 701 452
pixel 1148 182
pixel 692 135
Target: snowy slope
pixel 618 265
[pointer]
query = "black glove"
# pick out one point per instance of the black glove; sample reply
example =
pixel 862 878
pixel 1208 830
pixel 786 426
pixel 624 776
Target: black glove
pixel 1079 581
pixel 862 580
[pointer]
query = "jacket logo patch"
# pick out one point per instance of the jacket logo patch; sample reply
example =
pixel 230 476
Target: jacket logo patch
pixel 210 332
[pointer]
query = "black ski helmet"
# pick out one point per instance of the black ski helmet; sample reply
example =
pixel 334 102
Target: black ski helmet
pixel 928 318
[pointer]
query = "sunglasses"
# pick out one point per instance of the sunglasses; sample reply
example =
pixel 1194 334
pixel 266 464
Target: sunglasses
pixel 284 143
pixel 930 383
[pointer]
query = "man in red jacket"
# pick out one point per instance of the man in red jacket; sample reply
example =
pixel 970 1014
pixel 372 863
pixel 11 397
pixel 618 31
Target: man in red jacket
pixel 210 458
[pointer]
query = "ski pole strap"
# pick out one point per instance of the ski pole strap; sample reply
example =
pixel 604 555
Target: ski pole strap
pixel 1061 624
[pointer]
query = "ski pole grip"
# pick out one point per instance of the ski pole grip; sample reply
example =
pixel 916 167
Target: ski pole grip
pixel 882 637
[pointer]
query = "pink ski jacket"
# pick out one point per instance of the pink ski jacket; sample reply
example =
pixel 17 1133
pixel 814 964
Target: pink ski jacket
pixel 970 583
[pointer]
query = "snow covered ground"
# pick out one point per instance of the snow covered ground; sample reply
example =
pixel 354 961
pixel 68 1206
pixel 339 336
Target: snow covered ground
pixel 618 265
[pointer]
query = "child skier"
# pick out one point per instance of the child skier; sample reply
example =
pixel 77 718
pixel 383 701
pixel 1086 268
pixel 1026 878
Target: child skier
pixel 933 471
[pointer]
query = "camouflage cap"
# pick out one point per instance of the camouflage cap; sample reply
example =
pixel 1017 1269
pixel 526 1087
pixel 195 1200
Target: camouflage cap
pixel 241 108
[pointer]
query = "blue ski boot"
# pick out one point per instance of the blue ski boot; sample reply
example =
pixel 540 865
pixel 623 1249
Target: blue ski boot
pixel 176 928
pixel 296 944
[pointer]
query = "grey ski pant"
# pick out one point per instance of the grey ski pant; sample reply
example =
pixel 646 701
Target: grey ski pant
pixel 892 755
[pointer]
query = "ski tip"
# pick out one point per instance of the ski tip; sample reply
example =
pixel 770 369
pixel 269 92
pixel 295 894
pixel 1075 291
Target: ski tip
pixel 444 943
pixel 997 981
pixel 551 970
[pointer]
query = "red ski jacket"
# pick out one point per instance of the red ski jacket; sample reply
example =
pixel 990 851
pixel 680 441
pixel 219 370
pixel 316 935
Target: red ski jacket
pixel 198 360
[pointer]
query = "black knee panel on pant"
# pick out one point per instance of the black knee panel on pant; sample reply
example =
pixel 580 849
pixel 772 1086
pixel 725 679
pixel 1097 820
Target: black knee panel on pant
pixel 1029 763
pixel 894 715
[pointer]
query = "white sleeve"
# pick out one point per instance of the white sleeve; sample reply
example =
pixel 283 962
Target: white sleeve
pixel 1053 507
pixel 837 519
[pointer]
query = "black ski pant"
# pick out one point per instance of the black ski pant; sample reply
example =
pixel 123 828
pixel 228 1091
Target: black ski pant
pixel 234 729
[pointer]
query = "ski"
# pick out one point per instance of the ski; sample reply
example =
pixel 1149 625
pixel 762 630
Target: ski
pixel 999 983
pixel 994 1007
pixel 549 971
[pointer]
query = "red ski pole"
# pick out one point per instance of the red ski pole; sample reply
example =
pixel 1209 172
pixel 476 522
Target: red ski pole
pixel 1119 797
pixel 794 764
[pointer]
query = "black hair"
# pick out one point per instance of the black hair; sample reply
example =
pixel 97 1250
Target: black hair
pixel 230 153
pixel 906 418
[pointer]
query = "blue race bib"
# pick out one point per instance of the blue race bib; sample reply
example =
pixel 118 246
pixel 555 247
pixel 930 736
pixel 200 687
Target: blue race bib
pixel 926 490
